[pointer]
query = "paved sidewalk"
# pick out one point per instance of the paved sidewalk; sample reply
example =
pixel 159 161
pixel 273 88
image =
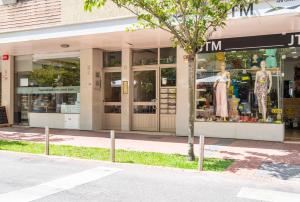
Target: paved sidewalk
pixel 259 159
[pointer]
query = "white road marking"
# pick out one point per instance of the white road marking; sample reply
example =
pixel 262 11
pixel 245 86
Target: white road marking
pixel 55 186
pixel 268 195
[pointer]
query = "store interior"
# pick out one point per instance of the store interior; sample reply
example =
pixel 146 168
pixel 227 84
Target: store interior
pixel 250 86
pixel 291 95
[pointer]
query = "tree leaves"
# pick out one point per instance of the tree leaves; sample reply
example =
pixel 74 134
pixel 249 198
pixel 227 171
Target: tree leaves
pixel 191 22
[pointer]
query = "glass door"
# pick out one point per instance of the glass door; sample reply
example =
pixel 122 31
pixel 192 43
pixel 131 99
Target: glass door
pixel 112 101
pixel 145 100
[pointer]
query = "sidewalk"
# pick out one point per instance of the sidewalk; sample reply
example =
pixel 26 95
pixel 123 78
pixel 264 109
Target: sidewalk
pixel 257 159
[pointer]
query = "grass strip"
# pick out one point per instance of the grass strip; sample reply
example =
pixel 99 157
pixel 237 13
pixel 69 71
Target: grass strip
pixel 122 156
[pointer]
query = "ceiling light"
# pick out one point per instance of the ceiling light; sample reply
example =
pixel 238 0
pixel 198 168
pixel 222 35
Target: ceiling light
pixel 64 45
pixel 295 56
pixel 294 52
pixel 292 47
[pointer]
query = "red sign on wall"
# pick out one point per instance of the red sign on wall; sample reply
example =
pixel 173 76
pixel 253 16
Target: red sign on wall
pixel 5 57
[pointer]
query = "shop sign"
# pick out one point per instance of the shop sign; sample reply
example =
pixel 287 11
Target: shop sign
pixel 266 8
pixel 252 42
pixel 48 90
pixel 125 87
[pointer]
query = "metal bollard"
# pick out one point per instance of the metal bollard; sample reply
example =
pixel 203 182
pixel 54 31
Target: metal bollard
pixel 46 140
pixel 112 146
pixel 201 152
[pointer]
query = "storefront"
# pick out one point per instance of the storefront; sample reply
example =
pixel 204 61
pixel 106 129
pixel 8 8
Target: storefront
pixel 93 76
pixel 152 89
pixel 248 88
pixel 47 91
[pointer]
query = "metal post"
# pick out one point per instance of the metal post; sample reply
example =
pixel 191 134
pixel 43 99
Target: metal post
pixel 112 146
pixel 201 152
pixel 46 140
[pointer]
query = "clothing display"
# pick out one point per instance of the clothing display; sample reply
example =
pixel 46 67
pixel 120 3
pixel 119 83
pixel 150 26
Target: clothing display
pixel 262 85
pixel 233 108
pixel 255 62
pixel 271 58
pixel 221 99
pixel 237 86
pixel 244 85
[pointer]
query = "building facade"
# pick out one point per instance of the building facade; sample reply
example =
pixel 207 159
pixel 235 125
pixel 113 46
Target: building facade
pixel 63 67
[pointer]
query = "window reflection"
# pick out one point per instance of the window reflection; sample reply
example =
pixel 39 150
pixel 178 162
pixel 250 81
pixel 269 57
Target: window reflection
pixel 144 86
pixel 47 86
pixel 113 87
pixel 112 59
pixel 168 77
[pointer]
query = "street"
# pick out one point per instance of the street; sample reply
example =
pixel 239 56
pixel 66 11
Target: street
pixel 26 177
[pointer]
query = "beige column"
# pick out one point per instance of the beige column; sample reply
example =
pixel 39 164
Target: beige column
pixel 182 115
pixel 8 87
pixel 91 89
pixel 126 97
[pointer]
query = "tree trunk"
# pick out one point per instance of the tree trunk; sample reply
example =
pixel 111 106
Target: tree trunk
pixel 192 67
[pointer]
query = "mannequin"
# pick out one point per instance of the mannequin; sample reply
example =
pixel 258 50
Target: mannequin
pixel 255 62
pixel 263 85
pixel 222 85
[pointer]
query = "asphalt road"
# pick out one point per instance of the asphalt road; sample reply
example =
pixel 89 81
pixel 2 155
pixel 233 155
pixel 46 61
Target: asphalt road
pixel 26 178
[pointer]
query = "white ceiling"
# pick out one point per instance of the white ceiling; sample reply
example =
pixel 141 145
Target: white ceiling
pixel 148 38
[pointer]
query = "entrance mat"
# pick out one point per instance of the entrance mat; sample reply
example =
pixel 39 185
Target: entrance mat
pixel 280 170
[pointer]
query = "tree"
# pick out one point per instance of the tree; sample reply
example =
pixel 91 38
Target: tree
pixel 191 23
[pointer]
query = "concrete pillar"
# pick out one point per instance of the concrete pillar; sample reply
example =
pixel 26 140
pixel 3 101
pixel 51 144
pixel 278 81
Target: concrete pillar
pixel 8 87
pixel 182 115
pixel 91 91
pixel 126 98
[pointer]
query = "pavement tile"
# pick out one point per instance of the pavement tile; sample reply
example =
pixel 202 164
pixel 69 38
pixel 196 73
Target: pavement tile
pixel 253 158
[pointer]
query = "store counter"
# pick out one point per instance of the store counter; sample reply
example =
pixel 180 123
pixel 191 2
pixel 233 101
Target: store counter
pixel 54 120
pixel 250 131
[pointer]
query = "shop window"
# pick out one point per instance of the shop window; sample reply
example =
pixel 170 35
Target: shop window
pixel 145 57
pixel 168 77
pixel 144 86
pixel 112 59
pixel 242 86
pixel 168 56
pixel 47 86
pixel 113 87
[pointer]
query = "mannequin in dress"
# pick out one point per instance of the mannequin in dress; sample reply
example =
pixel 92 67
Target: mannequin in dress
pixel 222 85
pixel 263 85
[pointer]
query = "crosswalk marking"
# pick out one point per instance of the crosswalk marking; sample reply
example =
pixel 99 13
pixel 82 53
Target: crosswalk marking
pixel 268 195
pixel 55 186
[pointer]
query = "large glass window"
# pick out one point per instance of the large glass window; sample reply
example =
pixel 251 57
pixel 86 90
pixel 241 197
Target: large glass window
pixel 145 57
pixel 240 86
pixel 112 59
pixel 168 56
pixel 47 86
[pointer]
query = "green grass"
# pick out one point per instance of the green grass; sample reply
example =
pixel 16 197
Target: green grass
pixel 122 156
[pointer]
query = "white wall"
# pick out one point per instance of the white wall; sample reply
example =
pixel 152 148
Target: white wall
pixel 182 115
pixel 91 99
